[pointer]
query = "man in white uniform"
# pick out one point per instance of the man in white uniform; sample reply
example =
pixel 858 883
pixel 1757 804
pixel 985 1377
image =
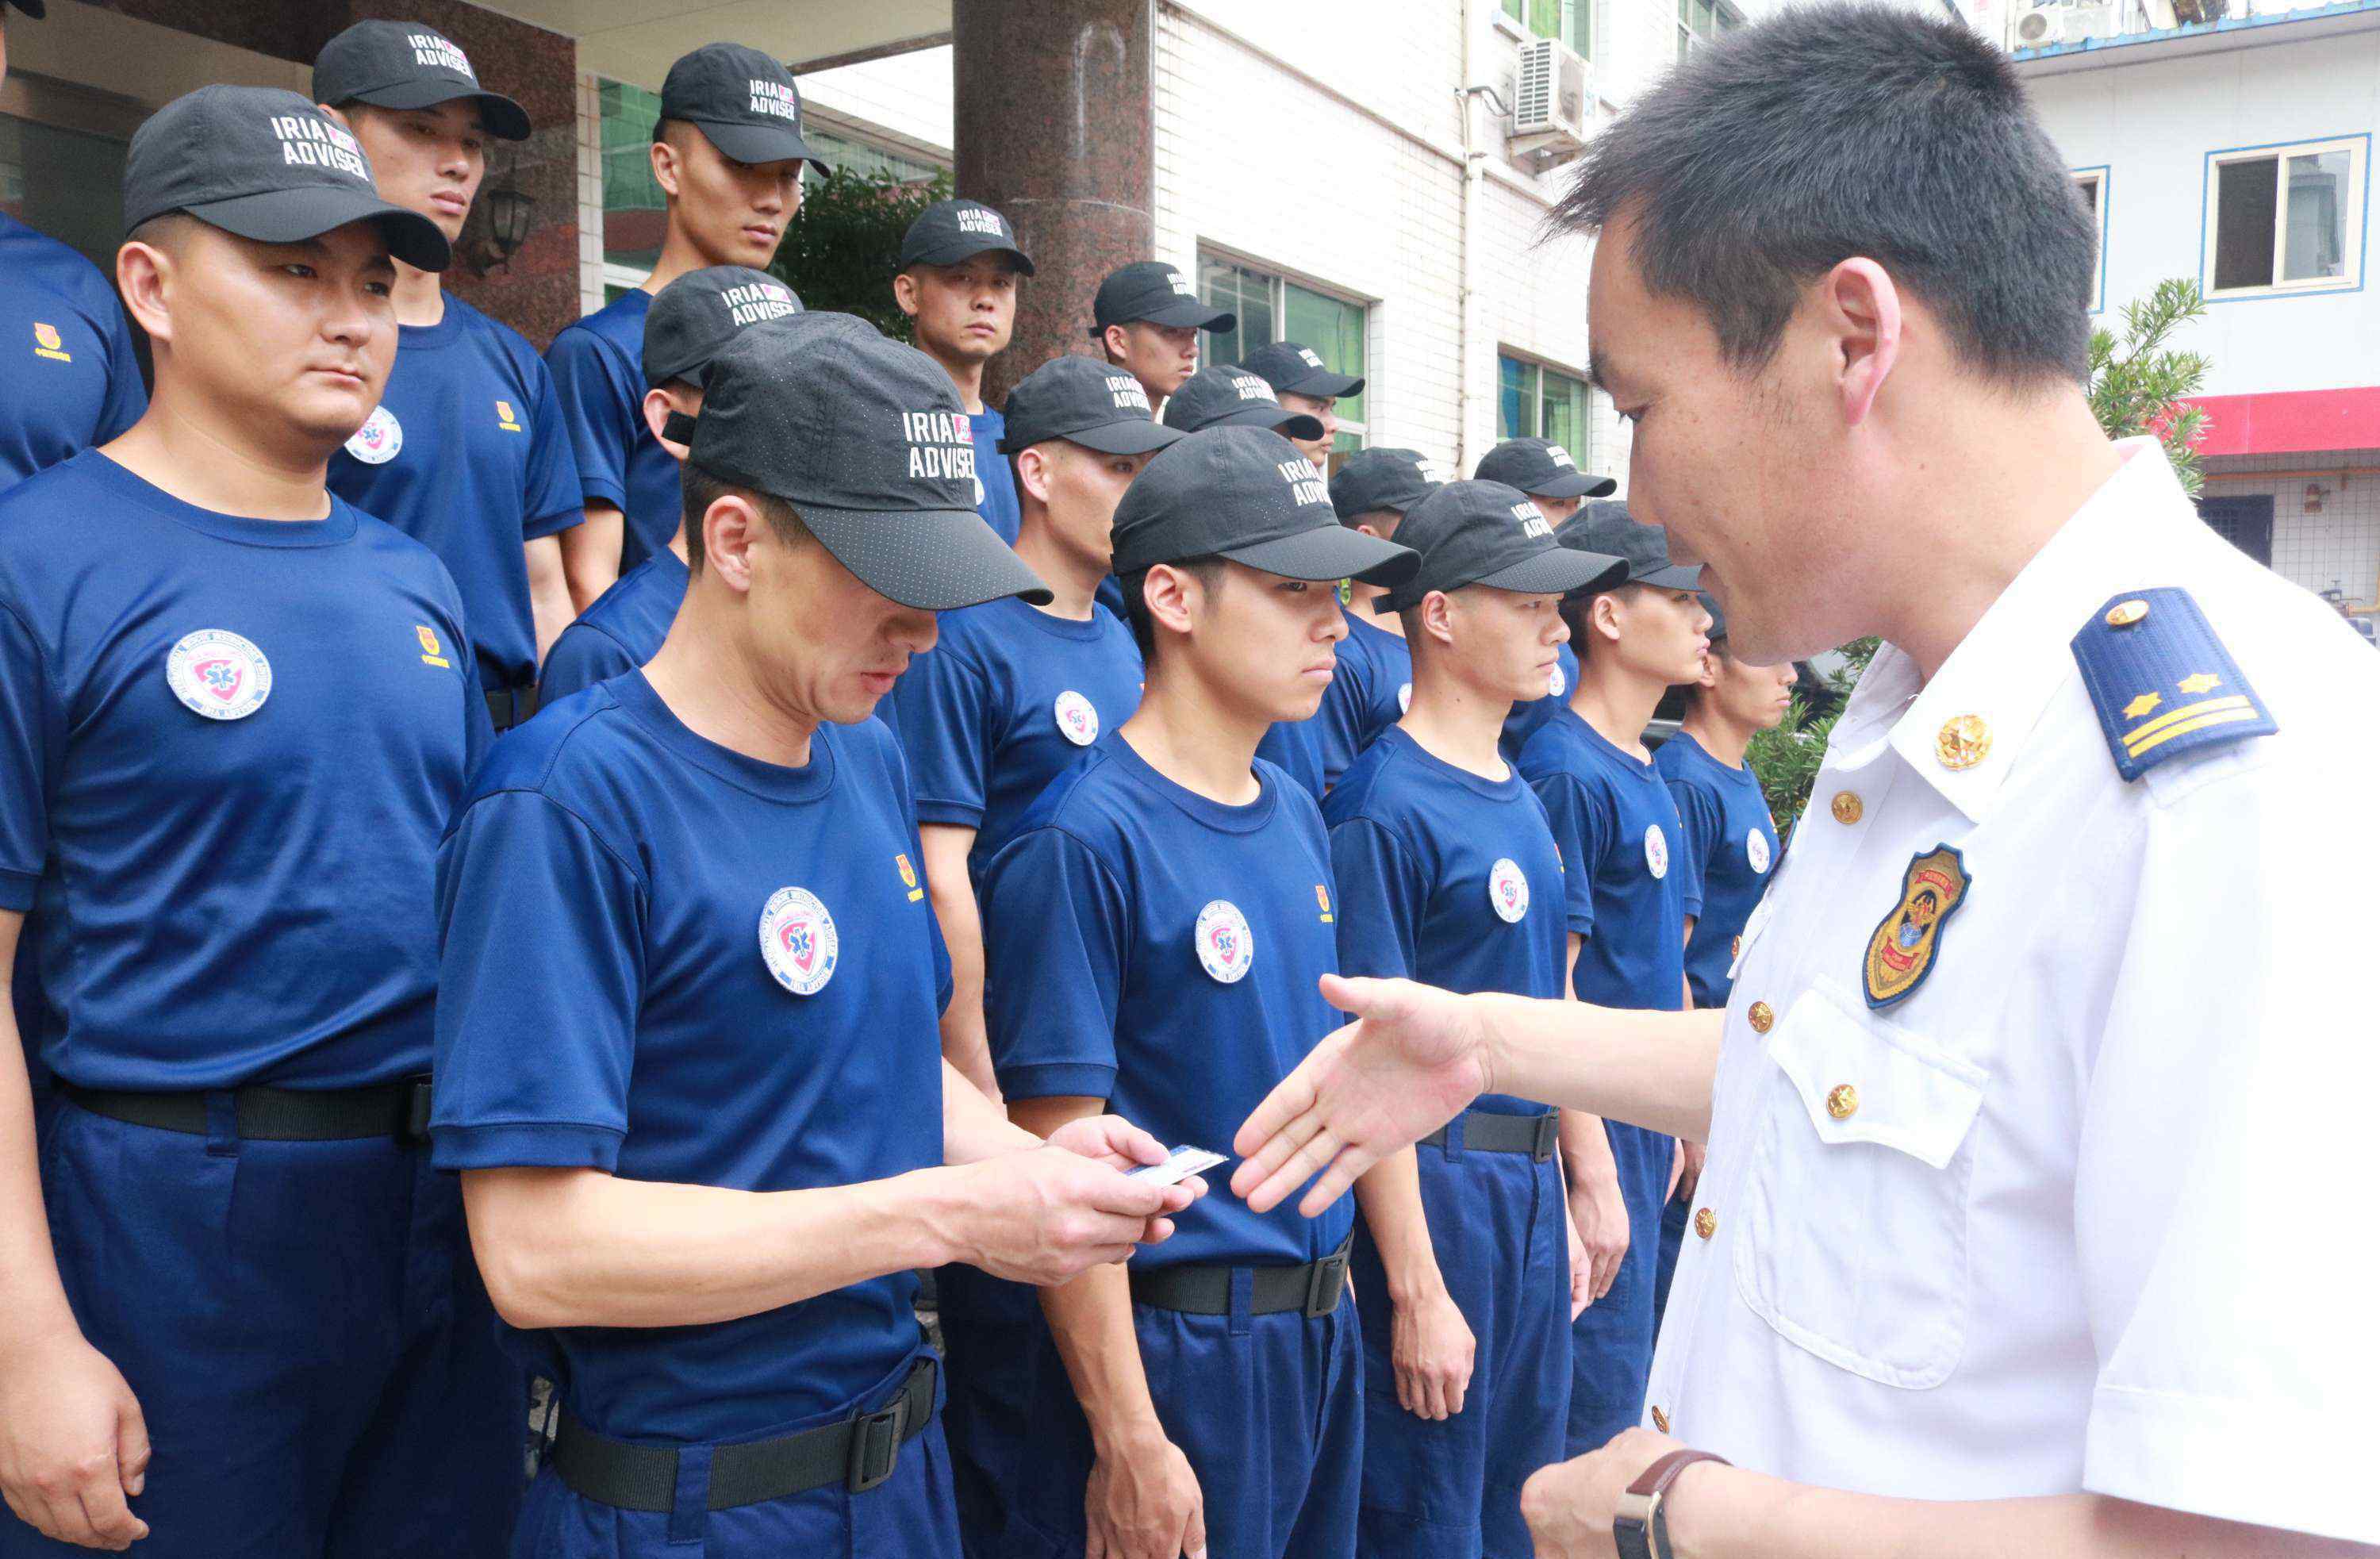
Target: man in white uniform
pixel 2035 1218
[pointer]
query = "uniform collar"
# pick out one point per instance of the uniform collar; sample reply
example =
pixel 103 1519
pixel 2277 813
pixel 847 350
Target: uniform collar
pixel 2017 655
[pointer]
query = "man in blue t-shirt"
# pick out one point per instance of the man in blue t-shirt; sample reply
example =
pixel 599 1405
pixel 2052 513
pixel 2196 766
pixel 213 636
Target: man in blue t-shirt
pixel 960 263
pixel 467 452
pixel 1374 681
pixel 1630 885
pixel 1732 840
pixel 1546 471
pixel 1154 936
pixel 727 155
pixel 690 320
pixel 1468 1266
pixel 687 992
pixel 1009 695
pixel 72 380
pixel 240 714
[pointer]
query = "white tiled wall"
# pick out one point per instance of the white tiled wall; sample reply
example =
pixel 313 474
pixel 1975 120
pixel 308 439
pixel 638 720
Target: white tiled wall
pixel 2338 543
pixel 590 195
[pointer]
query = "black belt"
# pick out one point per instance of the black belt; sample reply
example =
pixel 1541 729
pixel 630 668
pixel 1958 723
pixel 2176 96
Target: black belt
pixel 858 1453
pixel 400 1110
pixel 1485 1132
pixel 508 707
pixel 1313 1288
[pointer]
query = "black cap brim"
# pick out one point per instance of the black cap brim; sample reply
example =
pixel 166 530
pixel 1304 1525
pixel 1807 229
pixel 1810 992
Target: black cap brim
pixel 1671 575
pixel 1563 571
pixel 1185 312
pixel 503 118
pixel 1575 484
pixel 1134 435
pixel 929 560
pixel 754 144
pixel 34 8
pixel 1322 384
pixel 289 216
pixel 1330 552
pixel 961 250
pixel 1280 418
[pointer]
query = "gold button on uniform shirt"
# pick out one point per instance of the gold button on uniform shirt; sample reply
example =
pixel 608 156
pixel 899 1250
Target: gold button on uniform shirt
pixel 2014 1143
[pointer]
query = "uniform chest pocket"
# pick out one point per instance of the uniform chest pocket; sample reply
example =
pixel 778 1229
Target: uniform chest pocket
pixel 1855 1243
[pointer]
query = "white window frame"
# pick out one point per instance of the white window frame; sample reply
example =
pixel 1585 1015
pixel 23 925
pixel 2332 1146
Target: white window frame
pixel 2098 179
pixel 2358 150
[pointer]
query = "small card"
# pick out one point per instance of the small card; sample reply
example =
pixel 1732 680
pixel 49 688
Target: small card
pixel 1179 1165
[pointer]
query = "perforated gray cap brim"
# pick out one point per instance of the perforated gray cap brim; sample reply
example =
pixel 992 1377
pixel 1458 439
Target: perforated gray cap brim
pixel 288 216
pixel 932 560
pixel 1575 484
pixel 1676 575
pixel 504 119
pixel 1280 418
pixel 754 144
pixel 1330 552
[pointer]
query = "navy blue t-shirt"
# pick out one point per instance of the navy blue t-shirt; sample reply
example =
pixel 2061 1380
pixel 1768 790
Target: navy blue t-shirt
pixel 996 481
pixel 1006 699
pixel 1732 839
pixel 1367 694
pixel 1629 879
pixel 227 750
pixel 1526 717
pixel 1148 946
pixel 68 378
pixel 1446 877
pixel 598 377
pixel 467 453
pixel 668 961
pixel 620 630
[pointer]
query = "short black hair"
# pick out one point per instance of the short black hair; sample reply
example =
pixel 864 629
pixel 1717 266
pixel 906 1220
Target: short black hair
pixel 1852 128
pixel 1206 570
pixel 699 489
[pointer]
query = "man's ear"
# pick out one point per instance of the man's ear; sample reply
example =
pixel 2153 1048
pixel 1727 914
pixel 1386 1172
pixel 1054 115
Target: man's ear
pixel 1033 468
pixel 657 408
pixel 730 526
pixel 906 292
pixel 1174 596
pixel 1860 308
pixel 668 169
pixel 1437 615
pixel 1603 615
pixel 145 275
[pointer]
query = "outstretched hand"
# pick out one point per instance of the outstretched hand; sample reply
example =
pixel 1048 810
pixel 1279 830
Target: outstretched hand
pixel 1414 1057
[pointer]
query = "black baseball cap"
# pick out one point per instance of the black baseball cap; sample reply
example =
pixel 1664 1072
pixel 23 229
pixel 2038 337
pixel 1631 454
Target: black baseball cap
pixel 262 163
pixel 1487 533
pixel 866 439
pixel 1604 527
pixel 1382 478
pixel 1226 397
pixel 34 8
pixel 950 231
pixel 743 102
pixel 408 64
pixel 1294 370
pixel 701 312
pixel 1541 468
pixel 1154 291
pixel 1250 496
pixel 1083 401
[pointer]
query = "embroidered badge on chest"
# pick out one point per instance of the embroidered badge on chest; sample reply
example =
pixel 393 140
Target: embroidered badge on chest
pixel 1556 684
pixel 1755 850
pixel 1508 891
pixel 219 675
pixel 1656 850
pixel 377 442
pixel 1226 946
pixel 1900 955
pixel 798 940
pixel 1078 722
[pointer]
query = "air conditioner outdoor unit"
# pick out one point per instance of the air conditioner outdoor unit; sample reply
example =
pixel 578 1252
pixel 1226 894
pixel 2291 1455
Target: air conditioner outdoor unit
pixel 1552 101
pixel 2044 27
pixel 2038 28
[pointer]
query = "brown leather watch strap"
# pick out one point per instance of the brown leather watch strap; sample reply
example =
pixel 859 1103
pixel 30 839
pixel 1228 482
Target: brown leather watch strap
pixel 1641 1528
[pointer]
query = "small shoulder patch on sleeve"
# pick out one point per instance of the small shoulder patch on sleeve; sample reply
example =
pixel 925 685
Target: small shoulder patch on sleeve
pixel 2162 682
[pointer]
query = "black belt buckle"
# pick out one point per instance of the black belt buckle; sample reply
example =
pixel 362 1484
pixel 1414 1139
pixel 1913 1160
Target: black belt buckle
pixel 1324 1282
pixel 413 1131
pixel 876 1444
pixel 1548 1134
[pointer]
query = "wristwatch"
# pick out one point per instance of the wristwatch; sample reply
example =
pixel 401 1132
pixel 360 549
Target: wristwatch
pixel 1641 1530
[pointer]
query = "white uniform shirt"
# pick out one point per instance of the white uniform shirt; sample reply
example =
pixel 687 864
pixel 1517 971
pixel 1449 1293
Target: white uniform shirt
pixel 2099 1214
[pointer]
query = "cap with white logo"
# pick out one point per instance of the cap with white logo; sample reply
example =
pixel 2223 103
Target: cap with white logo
pixel 1381 478
pixel 866 439
pixel 1226 397
pixel 1294 370
pixel 1083 401
pixel 1542 468
pixel 1154 291
pixel 950 231
pixel 405 64
pixel 700 312
pixel 1487 533
pixel 262 163
pixel 1250 496
pixel 742 100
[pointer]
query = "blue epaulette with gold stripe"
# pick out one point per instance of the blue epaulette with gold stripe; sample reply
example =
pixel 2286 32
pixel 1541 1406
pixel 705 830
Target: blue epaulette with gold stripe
pixel 2162 682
